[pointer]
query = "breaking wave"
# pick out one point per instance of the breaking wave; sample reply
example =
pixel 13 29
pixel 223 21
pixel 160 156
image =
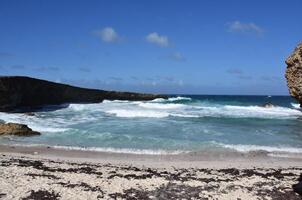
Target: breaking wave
pixel 161 110
pixel 138 113
pixel 161 106
pixel 33 122
pixel 173 99
pixel 123 150
pixel 296 105
pixel 249 148
pixel 160 124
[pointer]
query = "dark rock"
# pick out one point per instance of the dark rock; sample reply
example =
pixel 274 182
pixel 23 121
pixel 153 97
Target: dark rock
pixel 49 176
pixel 18 92
pixel 83 185
pixel 294 73
pixel 42 194
pixel 298 187
pixel 16 129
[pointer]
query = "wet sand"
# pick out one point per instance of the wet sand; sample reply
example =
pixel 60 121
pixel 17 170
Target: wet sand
pixel 47 173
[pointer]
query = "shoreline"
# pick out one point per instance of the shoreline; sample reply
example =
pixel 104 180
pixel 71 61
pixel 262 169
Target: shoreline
pixel 205 159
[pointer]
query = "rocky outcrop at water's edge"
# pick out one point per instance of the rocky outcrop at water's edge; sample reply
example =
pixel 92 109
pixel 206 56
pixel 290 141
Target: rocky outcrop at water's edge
pixel 19 92
pixel 17 130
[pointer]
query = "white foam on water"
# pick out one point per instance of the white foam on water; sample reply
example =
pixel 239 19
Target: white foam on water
pixel 171 99
pixel 115 101
pixel 147 114
pixel 84 107
pixel 48 129
pixel 179 98
pixel 124 150
pixel 110 150
pixel 296 105
pixel 161 106
pixel 248 148
pixel 160 110
pixel 138 113
pixel 158 100
pixel 261 112
pixel 184 115
pixel 77 107
pixel 35 123
pixel 61 120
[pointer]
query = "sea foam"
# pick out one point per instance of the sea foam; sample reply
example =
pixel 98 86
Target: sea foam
pixel 138 113
pixel 110 150
pixel 248 148
pixel 33 122
pixel 161 106
pixel 165 109
pixel 171 99
pixel 296 105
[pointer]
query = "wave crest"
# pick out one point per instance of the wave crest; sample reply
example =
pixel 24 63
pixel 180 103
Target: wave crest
pixel 296 105
pixel 248 148
pixel 172 99
pixel 138 113
pixel 161 106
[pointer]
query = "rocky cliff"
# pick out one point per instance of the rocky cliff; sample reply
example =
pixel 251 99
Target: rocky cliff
pixel 294 73
pixel 18 92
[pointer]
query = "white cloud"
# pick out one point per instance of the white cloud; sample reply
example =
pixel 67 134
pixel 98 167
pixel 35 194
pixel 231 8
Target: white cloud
pixel 157 39
pixel 108 34
pixel 177 56
pixel 240 27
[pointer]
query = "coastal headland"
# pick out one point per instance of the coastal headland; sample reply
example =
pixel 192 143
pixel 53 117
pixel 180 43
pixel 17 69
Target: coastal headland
pixel 19 93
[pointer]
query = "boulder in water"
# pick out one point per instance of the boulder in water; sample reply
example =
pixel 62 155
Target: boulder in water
pixel 17 129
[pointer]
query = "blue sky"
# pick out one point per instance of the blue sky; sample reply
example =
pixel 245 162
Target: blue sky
pixel 171 46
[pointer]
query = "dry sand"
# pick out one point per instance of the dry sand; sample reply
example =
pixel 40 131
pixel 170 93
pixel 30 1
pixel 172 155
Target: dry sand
pixel 47 173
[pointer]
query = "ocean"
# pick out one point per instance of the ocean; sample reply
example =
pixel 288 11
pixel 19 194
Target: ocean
pixel 185 123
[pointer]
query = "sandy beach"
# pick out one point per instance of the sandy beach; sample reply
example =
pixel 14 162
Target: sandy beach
pixel 47 173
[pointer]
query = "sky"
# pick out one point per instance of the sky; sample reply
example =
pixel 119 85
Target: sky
pixel 159 46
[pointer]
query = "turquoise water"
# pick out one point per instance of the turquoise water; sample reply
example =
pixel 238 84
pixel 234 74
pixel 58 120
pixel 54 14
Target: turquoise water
pixel 179 124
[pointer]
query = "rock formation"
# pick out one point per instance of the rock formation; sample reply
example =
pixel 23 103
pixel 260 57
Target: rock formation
pixel 18 92
pixel 16 129
pixel 298 187
pixel 294 73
